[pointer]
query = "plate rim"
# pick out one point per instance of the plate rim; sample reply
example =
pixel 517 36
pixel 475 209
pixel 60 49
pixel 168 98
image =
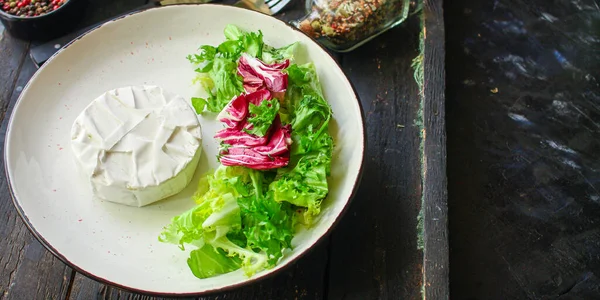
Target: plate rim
pixel 207 292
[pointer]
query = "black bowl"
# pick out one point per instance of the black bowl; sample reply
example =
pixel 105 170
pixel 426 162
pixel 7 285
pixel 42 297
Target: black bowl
pixel 47 26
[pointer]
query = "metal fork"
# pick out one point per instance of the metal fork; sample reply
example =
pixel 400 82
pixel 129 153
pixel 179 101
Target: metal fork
pixel 269 7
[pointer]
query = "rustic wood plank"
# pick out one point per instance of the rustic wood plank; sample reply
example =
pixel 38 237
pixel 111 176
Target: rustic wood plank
pixel 374 251
pixel 13 54
pixel 39 275
pixel 435 205
pixel 84 288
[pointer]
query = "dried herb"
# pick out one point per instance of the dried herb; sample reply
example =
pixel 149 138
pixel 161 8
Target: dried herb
pixel 345 23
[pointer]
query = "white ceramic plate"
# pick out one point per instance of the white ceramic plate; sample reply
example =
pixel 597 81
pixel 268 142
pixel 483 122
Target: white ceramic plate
pixel 116 244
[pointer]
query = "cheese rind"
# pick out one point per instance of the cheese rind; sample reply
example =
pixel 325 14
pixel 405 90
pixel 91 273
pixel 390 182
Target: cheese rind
pixel 137 145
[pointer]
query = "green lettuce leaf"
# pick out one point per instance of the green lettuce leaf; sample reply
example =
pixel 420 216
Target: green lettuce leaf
pixel 252 262
pixel 271 55
pixel 199 104
pixel 268 225
pixel 304 183
pixel 236 224
pixel 209 261
pixel 262 116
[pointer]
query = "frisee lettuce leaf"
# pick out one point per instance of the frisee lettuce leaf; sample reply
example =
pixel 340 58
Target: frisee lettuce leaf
pixel 305 184
pixel 236 224
pixel 262 116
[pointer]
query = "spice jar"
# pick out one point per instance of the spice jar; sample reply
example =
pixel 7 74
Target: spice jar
pixel 343 25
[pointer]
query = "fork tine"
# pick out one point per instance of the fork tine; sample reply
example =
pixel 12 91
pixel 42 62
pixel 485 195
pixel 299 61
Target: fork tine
pixel 277 7
pixel 257 5
pixel 271 3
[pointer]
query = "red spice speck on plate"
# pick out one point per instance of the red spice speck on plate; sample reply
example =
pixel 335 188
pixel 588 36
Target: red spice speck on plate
pixel 54 190
pixel 80 220
pixel 60 148
pixel 170 38
pixel 131 52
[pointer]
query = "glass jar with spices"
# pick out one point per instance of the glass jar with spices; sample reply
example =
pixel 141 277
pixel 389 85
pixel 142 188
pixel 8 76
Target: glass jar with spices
pixel 343 25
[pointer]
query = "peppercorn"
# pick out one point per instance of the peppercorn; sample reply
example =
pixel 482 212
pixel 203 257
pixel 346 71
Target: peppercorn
pixel 30 8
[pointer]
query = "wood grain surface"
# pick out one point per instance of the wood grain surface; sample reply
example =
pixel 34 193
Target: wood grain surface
pixel 435 198
pixel 373 253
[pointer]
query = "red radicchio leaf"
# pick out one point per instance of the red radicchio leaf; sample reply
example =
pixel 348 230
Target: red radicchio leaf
pixel 237 109
pixel 254 152
pixel 234 112
pixel 250 158
pixel 235 136
pixel 258 75
pixel 258 97
pixel 261 82
pixel 279 142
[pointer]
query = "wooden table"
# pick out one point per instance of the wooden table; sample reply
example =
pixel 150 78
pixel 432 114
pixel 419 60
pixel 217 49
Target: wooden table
pixel 386 242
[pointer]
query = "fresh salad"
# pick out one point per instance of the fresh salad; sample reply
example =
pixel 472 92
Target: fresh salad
pixel 275 156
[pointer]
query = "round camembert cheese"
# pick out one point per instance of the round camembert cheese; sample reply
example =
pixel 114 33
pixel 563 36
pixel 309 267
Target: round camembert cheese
pixel 137 145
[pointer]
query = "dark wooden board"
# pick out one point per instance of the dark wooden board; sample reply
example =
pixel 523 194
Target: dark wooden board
pixel 389 251
pixel 435 205
pixel 376 252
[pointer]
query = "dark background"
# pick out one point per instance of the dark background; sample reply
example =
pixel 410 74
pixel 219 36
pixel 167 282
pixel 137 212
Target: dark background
pixel 523 128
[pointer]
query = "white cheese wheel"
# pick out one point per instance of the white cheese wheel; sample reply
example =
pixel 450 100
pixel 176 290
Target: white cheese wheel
pixel 137 145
